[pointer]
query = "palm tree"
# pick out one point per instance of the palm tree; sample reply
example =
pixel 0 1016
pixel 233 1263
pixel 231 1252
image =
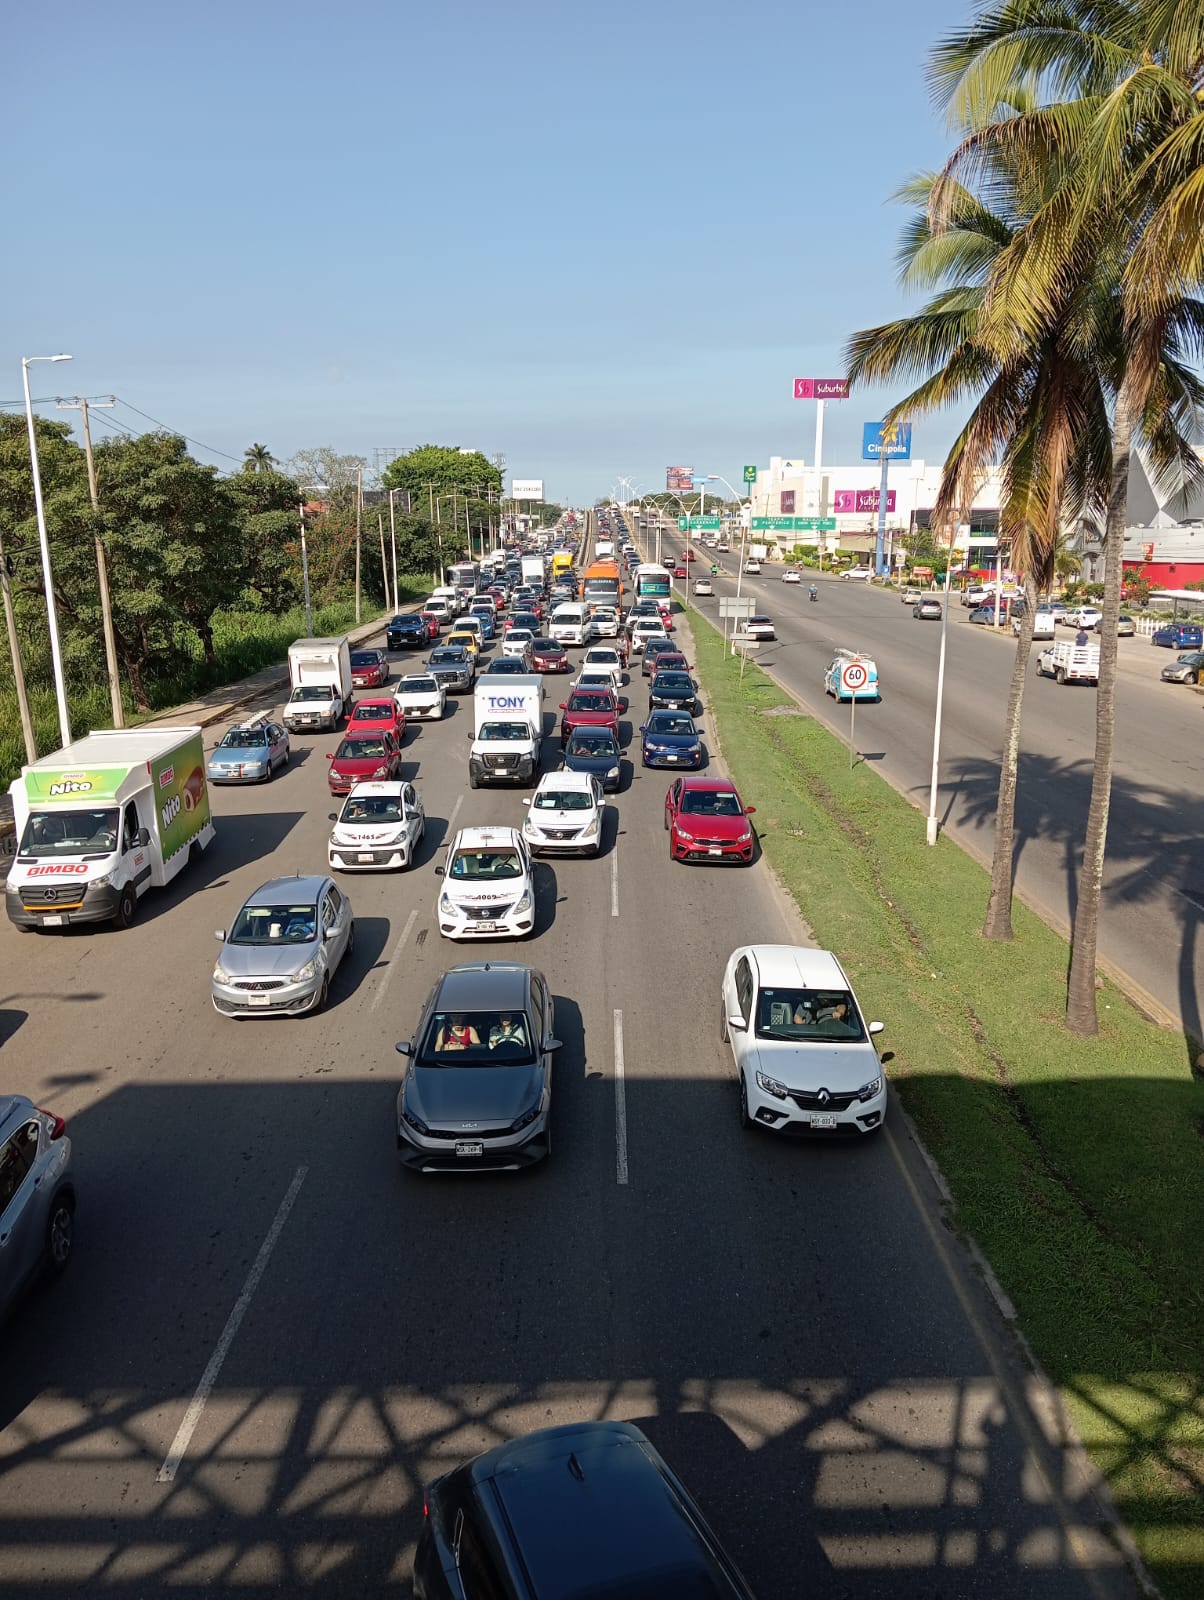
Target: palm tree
pixel 1125 80
pixel 257 458
pixel 1041 415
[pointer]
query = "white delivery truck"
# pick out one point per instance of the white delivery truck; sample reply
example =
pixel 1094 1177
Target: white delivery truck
pixel 507 731
pixel 319 671
pixel 101 822
pixel 533 570
pixel 1069 662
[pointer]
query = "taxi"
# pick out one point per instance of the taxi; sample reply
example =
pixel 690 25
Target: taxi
pixel 468 638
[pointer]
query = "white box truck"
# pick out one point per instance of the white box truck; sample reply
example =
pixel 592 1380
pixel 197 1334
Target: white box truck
pixel 533 570
pixel 507 730
pixel 1069 662
pixel 101 822
pixel 319 671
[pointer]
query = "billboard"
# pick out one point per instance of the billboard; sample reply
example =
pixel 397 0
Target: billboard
pixel 526 488
pixel 787 499
pixel 679 480
pixel 821 388
pixel 898 443
pixel 849 502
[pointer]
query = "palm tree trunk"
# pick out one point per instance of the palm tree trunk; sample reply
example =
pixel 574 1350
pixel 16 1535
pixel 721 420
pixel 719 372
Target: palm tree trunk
pixel 998 924
pixel 1081 1015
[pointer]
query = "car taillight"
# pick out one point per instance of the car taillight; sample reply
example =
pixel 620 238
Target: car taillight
pixel 57 1126
pixel 426 1510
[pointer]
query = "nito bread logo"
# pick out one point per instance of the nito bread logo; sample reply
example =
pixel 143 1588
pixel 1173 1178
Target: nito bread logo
pixel 71 783
pixel 167 777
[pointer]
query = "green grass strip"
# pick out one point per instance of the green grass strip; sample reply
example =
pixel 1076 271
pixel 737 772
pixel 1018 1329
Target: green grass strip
pixel 1076 1165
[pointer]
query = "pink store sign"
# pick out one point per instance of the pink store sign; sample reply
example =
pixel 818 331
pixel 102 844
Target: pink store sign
pixel 851 501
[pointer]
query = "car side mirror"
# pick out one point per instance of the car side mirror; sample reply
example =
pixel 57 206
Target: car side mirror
pixel 749 810
pixel 438 872
pixel 220 935
pixel 404 1047
pixel 877 1027
pixel 552 1044
pixel 737 1022
pixel 526 800
pixel 332 816
pixel 329 756
pixel 142 837
pixel 329 933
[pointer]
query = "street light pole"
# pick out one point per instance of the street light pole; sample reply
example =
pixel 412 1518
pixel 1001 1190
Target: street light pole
pixel 52 619
pixel 934 826
pixel 309 621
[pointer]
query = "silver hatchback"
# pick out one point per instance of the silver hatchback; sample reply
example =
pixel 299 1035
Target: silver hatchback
pixel 283 949
pixel 37 1196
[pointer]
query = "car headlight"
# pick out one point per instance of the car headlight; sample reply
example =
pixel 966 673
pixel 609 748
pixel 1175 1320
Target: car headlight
pixel 220 975
pixel 771 1086
pixel 408 1117
pixel 102 882
pixel 381 772
pixel 592 825
pixel 744 837
pixel 527 1118
pixel 523 903
pixel 447 905
pixel 303 974
pixel 683 833
pixel 613 772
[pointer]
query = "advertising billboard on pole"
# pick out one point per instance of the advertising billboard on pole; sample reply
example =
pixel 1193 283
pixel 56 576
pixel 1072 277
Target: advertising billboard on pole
pixel 679 480
pixel 526 488
pixel 897 446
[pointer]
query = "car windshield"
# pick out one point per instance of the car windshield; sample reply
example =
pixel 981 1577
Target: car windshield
pixel 594 749
pixel 487 862
pixel 520 636
pixel 601 658
pixel 548 647
pixel 360 749
pixel 563 800
pixel 365 658
pixel 827 1015
pixel 670 682
pixel 710 803
pixel 372 808
pixel 244 739
pixel 76 833
pixel 669 722
pixel 370 712
pixel 418 686
pixel 447 657
pixel 477 1039
pixel 313 691
pixel 594 680
pixel 504 730
pixel 590 702
pixel 283 924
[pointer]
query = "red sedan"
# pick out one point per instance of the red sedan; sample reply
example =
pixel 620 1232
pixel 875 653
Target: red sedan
pixel 362 759
pixel 680 571
pixel 589 708
pixel 708 821
pixel 377 714
pixel 369 669
pixel 549 655
pixel 433 623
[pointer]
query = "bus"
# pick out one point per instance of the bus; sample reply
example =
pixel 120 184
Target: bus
pixel 601 585
pixel 464 575
pixel 652 582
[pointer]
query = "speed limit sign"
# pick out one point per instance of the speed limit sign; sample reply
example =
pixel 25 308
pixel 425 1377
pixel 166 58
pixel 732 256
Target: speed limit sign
pixel 853 676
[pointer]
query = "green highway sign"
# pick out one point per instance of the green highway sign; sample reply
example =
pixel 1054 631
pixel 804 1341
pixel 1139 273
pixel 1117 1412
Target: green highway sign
pixel 698 524
pixel 794 524
pixel 750 474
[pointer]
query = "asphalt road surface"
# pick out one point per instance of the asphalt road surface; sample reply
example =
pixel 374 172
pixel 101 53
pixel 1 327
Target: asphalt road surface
pixel 1153 908
pixel 792 1324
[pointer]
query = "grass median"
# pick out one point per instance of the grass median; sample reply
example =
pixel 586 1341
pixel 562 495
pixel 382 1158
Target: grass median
pixel 1076 1165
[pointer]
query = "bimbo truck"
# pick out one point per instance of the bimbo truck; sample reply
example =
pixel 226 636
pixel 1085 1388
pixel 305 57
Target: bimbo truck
pixel 101 822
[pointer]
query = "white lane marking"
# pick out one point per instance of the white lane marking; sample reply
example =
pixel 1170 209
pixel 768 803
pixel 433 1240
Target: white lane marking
pixel 192 1416
pixel 451 821
pixel 393 960
pixel 620 1103
pixel 614 880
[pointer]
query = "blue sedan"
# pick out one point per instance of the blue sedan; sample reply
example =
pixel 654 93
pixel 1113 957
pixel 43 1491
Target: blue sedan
pixel 596 751
pixel 250 752
pixel 670 739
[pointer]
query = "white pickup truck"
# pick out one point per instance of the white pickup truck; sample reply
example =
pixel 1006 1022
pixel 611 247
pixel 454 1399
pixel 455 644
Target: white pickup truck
pixel 1069 663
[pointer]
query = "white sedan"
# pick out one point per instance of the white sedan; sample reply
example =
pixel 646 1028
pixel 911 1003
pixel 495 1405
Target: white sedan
pixel 419 695
pixel 791 575
pixel 517 643
pixel 760 627
pixel 378 829
pixel 804 1054
pixel 565 815
pixel 604 658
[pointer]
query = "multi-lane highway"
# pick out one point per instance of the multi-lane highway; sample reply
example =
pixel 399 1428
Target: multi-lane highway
pixel 1152 925
pixel 270 1336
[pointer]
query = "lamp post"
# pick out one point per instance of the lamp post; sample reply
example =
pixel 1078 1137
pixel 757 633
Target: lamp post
pixel 52 620
pixel 934 826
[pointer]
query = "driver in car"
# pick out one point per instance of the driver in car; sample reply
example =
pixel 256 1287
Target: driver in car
pixel 506 1030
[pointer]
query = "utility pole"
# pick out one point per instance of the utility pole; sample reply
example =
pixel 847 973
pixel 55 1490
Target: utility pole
pixel 384 566
pixel 309 621
pixel 14 650
pixel 102 567
pixel 393 540
pixel 359 534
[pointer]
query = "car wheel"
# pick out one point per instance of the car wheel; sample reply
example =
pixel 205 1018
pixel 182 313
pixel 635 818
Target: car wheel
pixel 60 1233
pixel 323 996
pixel 745 1119
pixel 127 907
pixel 1060 675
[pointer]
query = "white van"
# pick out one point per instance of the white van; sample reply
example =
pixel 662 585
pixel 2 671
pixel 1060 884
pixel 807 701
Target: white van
pixel 571 624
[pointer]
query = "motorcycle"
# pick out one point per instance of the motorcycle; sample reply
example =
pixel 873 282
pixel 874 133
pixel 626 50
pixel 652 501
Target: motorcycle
pixel 813 593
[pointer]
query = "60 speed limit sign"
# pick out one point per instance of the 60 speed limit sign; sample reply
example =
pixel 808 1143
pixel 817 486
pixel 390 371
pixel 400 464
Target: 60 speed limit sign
pixel 853 676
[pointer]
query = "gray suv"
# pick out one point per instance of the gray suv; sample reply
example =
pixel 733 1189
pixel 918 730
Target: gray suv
pixel 37 1196
pixel 283 949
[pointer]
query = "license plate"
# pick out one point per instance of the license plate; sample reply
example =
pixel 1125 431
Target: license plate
pixel 366 855
pixel 670 758
pixel 714 852
pixel 468 1148
pixel 823 1122
pixel 258 999
pixel 54 920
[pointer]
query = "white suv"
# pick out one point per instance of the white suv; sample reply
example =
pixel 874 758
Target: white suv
pixel 488 891
pixel 646 628
pixel 804 1055
pixel 566 814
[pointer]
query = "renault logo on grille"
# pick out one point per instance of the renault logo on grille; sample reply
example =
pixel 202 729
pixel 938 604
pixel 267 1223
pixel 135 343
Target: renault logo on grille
pixel 823 1097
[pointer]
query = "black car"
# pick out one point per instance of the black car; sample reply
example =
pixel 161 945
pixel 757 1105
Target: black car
pixel 502 664
pixel 525 619
pixel 587 1509
pixel 453 666
pixel 673 691
pixel 670 739
pixel 655 647
pixel 596 751
pixel 405 630
pixel 477 1092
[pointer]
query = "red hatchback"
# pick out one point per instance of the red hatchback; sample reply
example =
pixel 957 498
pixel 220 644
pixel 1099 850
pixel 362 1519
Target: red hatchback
pixel 549 655
pixel 369 669
pixel 708 821
pixel 589 708
pixel 433 623
pixel 362 759
pixel 377 715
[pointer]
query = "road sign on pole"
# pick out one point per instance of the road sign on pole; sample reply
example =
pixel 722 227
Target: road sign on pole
pixel 733 606
pixel 853 676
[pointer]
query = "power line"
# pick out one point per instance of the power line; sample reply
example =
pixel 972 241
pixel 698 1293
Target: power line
pixel 199 443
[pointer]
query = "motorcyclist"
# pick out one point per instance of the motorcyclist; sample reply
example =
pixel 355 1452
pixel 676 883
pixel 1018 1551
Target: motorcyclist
pixel 813 593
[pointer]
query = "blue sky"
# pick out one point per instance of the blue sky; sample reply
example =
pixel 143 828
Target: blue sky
pixel 599 239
